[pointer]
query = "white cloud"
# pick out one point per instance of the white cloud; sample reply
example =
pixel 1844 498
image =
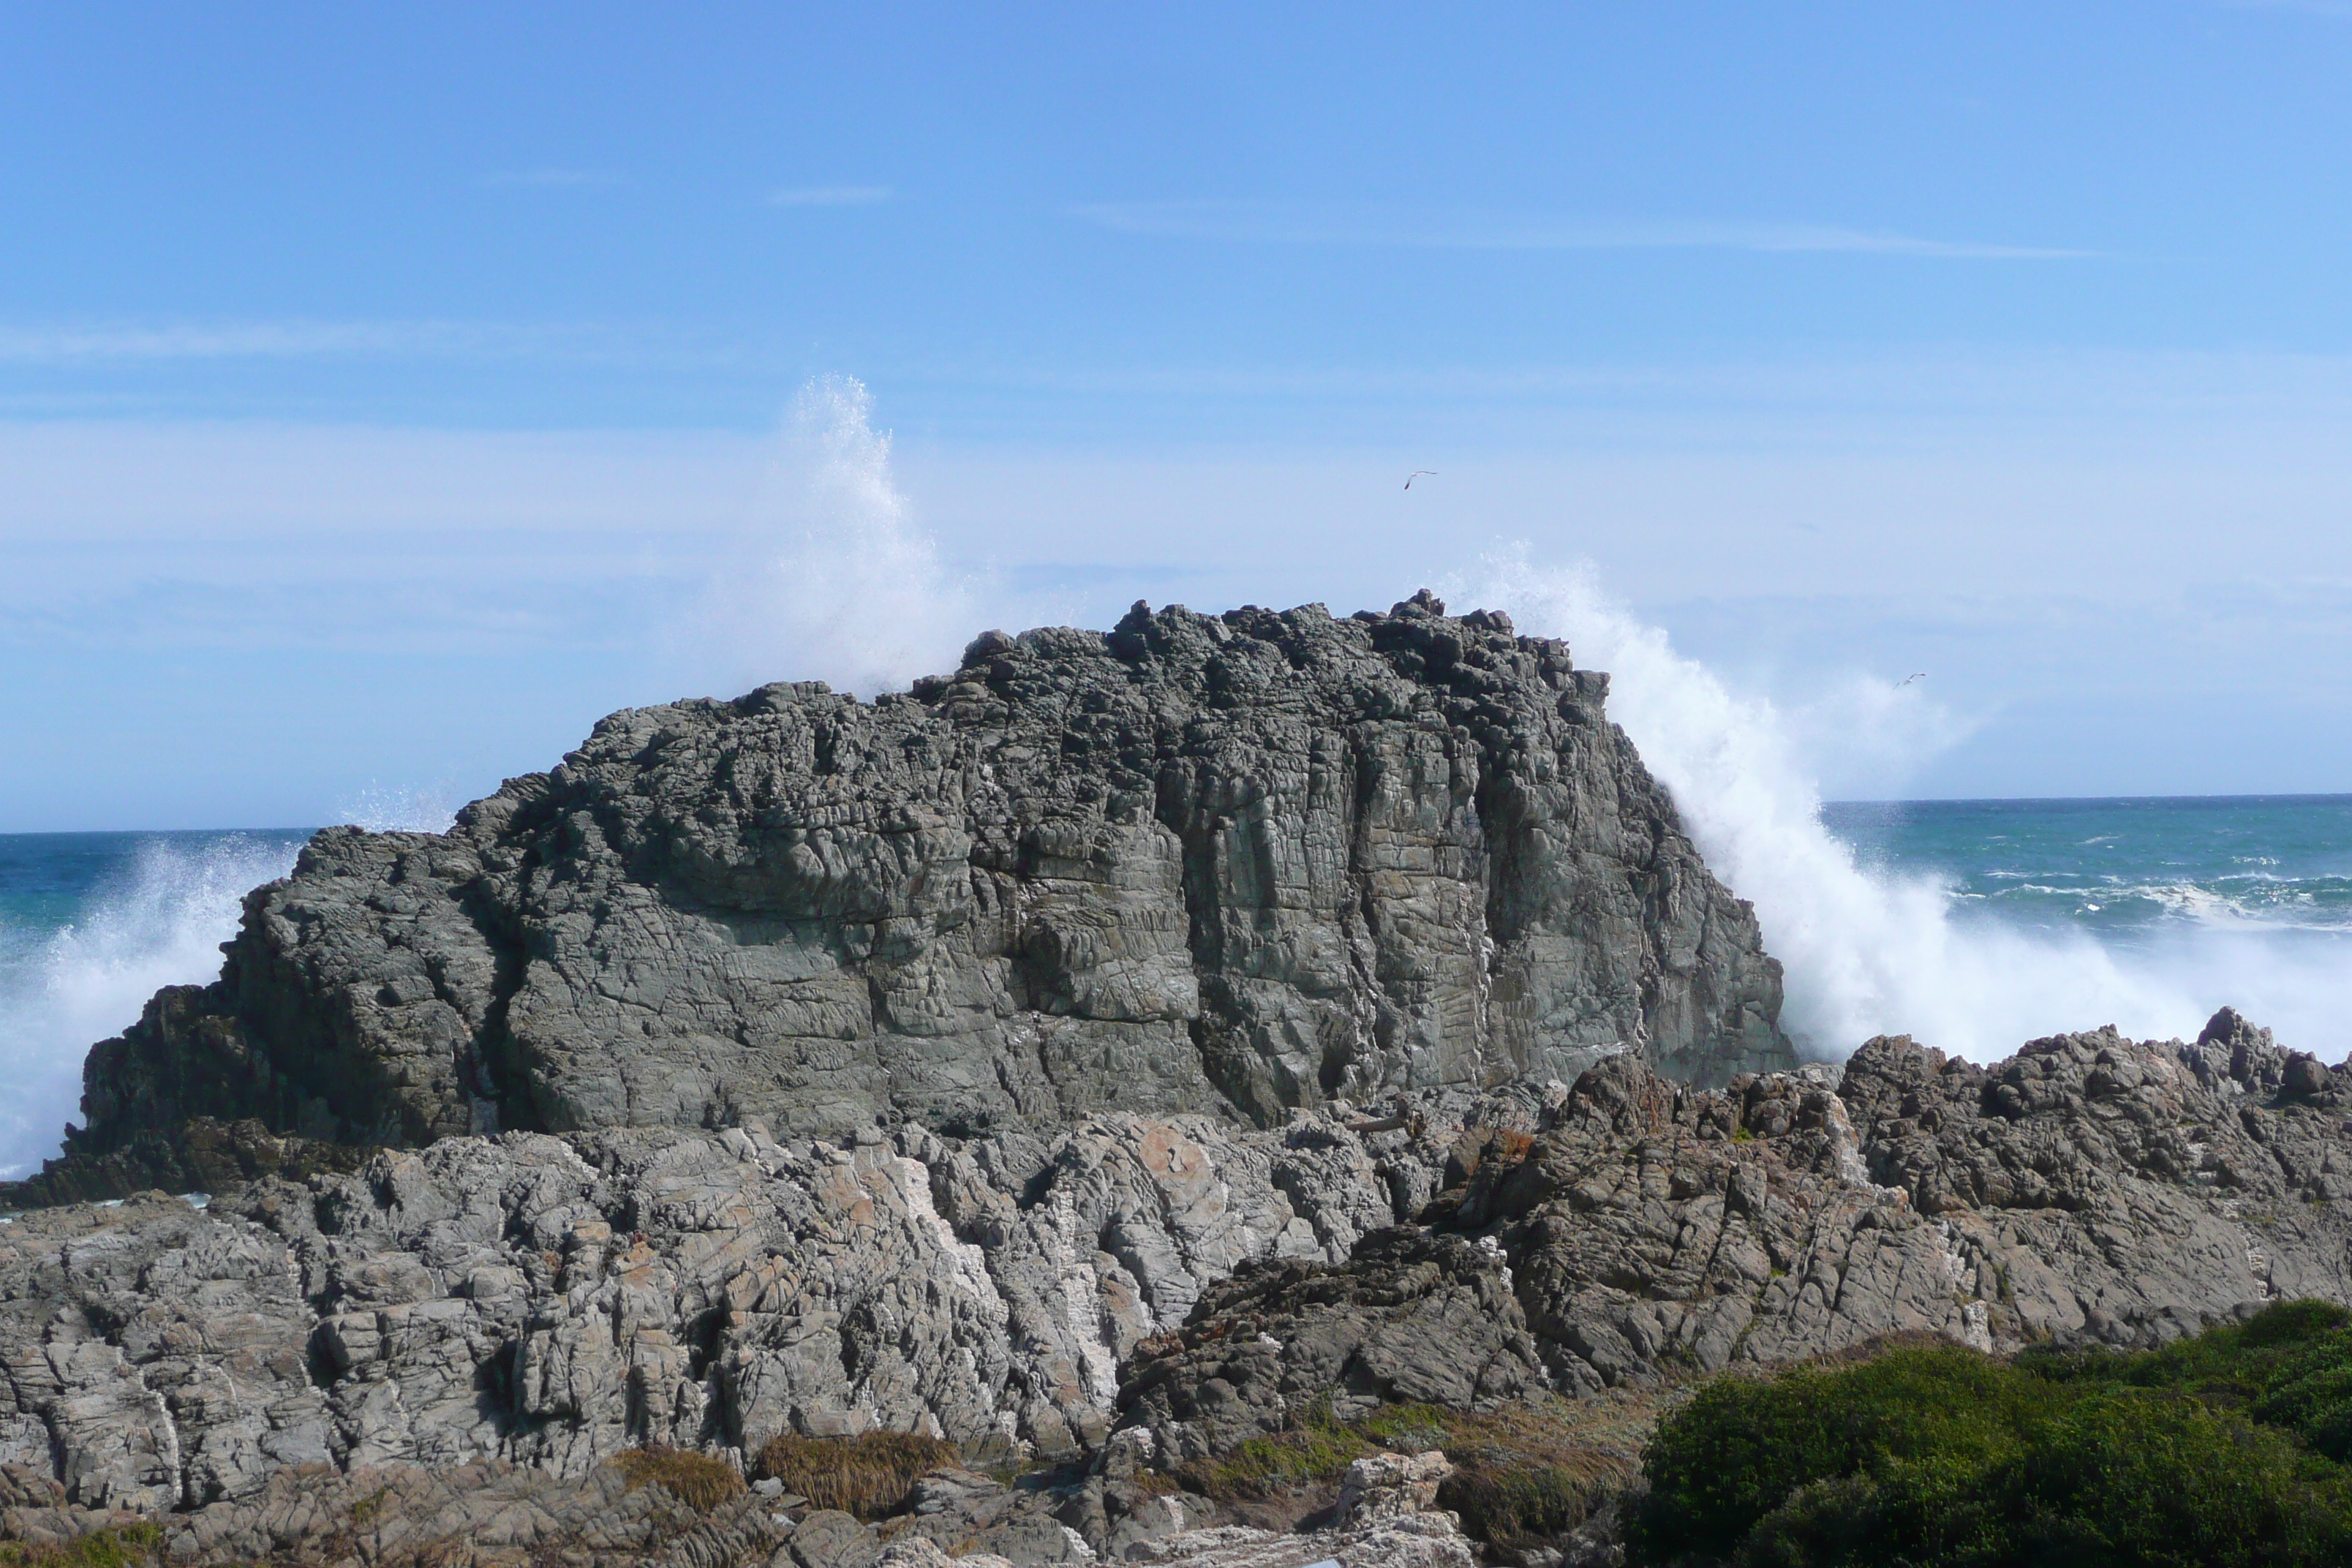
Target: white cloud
pixel 830 196
pixel 1288 223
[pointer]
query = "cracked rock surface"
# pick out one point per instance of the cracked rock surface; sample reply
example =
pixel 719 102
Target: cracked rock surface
pixel 1134 1285
pixel 1232 865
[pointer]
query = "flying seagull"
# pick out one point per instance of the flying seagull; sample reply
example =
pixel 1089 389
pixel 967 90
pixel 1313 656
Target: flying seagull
pixel 1416 474
pixel 1909 678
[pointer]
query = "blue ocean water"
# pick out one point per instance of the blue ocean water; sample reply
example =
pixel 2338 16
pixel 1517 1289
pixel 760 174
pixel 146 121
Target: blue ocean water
pixel 2076 906
pixel 2125 870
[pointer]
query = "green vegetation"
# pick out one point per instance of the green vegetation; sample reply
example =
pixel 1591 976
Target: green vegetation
pixel 126 1546
pixel 1523 1474
pixel 698 1480
pixel 869 1474
pixel 2224 1449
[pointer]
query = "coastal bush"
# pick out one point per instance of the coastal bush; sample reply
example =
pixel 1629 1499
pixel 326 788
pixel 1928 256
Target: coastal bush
pixel 869 1474
pixel 2220 1451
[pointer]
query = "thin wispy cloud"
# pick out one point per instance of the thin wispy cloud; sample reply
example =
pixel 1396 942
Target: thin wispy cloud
pixel 830 196
pixel 275 340
pixel 556 179
pixel 1283 223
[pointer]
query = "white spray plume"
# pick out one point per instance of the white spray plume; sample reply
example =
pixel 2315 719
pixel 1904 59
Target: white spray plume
pixel 161 925
pixel 382 809
pixel 1867 952
pixel 837 584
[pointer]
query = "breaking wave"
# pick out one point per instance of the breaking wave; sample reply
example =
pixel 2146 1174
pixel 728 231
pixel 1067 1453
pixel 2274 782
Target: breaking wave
pixel 1869 949
pixel 161 923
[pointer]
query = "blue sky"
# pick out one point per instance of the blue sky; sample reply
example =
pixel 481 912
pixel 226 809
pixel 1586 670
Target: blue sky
pixel 382 389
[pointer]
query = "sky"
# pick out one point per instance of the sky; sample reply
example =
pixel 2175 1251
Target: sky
pixel 388 391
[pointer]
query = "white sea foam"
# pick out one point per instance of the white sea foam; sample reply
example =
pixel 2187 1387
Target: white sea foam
pixel 833 580
pixel 1870 951
pixel 160 925
pixel 398 808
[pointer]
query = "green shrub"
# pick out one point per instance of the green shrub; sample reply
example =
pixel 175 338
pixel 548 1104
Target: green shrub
pixel 869 1474
pixel 2219 1450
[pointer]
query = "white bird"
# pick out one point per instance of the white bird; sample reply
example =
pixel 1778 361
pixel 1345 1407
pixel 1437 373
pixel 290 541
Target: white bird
pixel 1416 474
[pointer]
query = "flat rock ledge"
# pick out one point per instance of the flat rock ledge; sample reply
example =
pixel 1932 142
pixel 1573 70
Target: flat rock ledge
pixel 495 1318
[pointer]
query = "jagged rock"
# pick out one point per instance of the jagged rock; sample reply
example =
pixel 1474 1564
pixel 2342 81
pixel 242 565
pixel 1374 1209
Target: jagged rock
pixel 1197 864
pixel 1413 1317
pixel 519 1309
pixel 2089 1187
pixel 551 1301
pixel 200 1156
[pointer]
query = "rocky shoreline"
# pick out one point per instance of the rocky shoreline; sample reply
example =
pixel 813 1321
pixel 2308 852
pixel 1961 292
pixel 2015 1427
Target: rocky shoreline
pixel 1136 1051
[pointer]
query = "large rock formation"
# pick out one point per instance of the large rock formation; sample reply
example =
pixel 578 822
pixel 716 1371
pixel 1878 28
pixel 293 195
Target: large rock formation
pixel 1198 863
pixel 1131 1045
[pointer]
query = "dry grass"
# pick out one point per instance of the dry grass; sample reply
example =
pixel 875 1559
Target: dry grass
pixel 130 1546
pixel 698 1480
pixel 869 1475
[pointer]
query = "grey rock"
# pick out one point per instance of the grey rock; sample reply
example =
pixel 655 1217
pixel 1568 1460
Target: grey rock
pixel 1198 863
pixel 831 1539
pixel 1414 1316
pixel 551 1301
pixel 487 1321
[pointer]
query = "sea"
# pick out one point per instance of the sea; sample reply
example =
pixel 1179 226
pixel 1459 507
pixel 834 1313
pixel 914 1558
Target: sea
pixel 2035 917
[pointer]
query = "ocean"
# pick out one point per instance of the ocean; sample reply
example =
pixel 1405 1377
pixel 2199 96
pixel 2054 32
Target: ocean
pixel 2040 916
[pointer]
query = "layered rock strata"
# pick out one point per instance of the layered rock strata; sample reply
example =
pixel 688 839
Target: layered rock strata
pixel 1217 864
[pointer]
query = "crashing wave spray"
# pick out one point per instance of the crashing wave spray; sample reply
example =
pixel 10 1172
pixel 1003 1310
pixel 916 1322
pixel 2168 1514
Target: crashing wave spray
pixel 161 925
pixel 1868 951
pixel 856 596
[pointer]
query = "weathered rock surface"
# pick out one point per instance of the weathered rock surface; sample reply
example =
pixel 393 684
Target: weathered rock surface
pixel 551 1301
pixel 2090 1189
pixel 1414 1318
pixel 1196 864
pixel 539 1303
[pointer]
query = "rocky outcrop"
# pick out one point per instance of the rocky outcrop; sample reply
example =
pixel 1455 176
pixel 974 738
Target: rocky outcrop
pixel 2090 1189
pixel 551 1301
pixel 1198 863
pixel 1414 1318
pixel 543 1303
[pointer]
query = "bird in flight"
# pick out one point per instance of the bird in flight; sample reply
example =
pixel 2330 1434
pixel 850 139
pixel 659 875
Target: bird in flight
pixel 1909 678
pixel 1416 474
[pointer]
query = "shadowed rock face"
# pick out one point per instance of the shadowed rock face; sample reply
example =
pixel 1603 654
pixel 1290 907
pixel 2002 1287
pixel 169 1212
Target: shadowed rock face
pixel 1197 864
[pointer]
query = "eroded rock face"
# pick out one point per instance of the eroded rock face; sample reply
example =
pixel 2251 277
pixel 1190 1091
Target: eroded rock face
pixel 550 1301
pixel 2090 1189
pixel 1415 1317
pixel 1197 864
pixel 540 1303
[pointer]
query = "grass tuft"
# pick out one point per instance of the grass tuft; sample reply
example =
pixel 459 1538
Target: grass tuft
pixel 869 1474
pixel 698 1480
